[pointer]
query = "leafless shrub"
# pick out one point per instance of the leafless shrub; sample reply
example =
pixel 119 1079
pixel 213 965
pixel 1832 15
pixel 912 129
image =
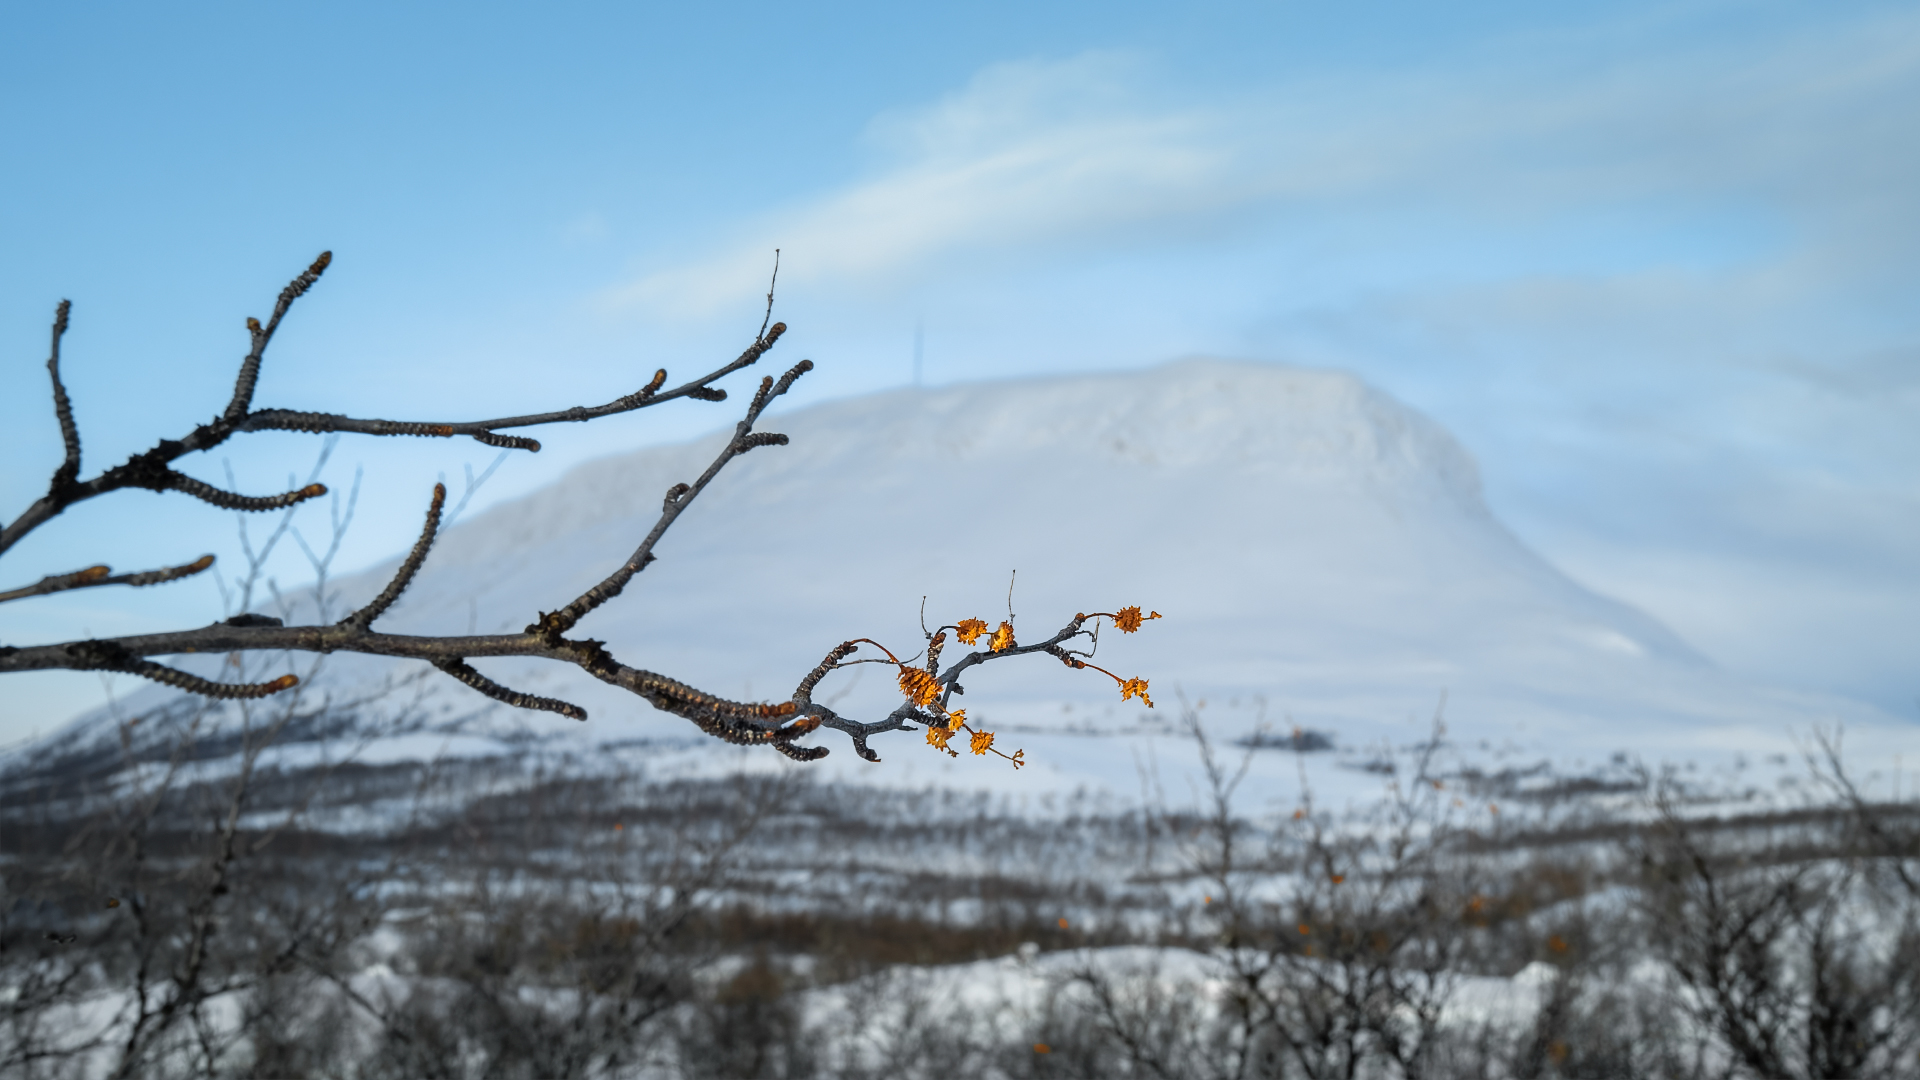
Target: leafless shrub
pixel 606 926
pixel 1780 947
pixel 1790 965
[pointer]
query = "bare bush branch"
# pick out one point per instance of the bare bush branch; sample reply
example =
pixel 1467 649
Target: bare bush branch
pixel 102 575
pixel 463 671
pixel 150 469
pixel 777 725
pixel 363 618
pixel 63 408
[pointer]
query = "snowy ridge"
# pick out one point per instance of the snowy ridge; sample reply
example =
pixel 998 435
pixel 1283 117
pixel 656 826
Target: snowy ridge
pixel 1313 543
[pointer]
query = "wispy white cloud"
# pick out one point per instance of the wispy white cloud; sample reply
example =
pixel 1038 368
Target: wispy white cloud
pixel 1026 152
pixel 1036 155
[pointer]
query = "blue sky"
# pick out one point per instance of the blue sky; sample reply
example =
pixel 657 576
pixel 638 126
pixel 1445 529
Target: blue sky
pixel 1653 264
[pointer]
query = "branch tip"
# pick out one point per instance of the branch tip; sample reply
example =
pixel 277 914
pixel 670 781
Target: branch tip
pixel 69 468
pixel 464 672
pixel 410 566
pixel 299 286
pixel 194 684
pixel 100 575
pixel 793 373
pixel 760 438
pixel 503 442
pixel 169 480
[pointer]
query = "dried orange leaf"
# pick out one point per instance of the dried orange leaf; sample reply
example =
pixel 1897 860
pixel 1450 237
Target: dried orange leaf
pixel 1002 639
pixel 1135 687
pixel 982 740
pixel 970 630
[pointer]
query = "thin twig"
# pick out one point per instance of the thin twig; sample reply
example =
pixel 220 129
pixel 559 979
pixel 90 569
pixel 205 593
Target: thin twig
pixel 761 336
pixel 464 671
pixel 69 470
pixel 483 430
pixel 250 367
pixel 101 575
pixel 474 486
pixel 363 618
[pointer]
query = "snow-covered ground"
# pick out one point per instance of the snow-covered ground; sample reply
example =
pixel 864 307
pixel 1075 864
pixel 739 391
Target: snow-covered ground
pixel 857 1026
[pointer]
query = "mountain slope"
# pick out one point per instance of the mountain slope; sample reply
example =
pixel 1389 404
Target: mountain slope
pixel 1312 543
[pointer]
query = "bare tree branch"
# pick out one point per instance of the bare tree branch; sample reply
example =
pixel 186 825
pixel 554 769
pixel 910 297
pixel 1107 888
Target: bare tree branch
pixel 250 367
pixel 99 575
pixel 732 721
pixel 772 724
pixel 744 723
pixel 99 655
pixel 463 671
pixel 62 407
pixel 484 430
pixel 363 618
pixel 227 500
pixel 150 470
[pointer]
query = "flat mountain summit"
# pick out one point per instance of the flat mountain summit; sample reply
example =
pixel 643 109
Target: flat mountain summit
pixel 1322 554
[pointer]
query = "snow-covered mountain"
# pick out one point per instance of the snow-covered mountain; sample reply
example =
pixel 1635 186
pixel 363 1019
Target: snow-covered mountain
pixel 1313 544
